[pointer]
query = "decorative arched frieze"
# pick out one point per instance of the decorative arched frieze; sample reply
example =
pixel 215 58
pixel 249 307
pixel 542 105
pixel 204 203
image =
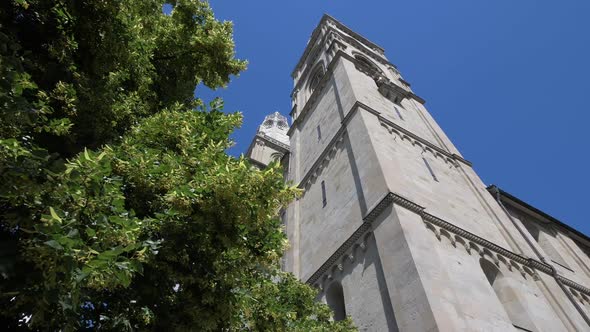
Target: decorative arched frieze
pixel 424 146
pixel 499 260
pixel 475 248
pixel 574 285
pixel 365 242
pixel 351 248
pixel 503 261
pixel 462 242
pixel 447 236
pixel 352 255
pixel 514 266
pixel 434 229
pixel 576 294
pixel 418 144
pixel 527 271
pixel 357 243
pixel 487 251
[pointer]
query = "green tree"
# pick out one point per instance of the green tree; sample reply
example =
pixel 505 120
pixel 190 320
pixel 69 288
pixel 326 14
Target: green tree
pixel 119 208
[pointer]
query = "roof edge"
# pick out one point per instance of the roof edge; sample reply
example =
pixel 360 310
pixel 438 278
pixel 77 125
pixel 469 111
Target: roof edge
pixel 492 189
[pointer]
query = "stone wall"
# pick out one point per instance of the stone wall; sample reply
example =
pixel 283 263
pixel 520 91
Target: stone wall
pixel 406 226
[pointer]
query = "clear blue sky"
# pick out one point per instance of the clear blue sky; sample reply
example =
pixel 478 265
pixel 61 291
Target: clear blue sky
pixel 506 79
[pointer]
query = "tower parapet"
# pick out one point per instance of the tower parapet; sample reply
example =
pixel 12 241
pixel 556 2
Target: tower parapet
pixel 276 127
pixel 271 141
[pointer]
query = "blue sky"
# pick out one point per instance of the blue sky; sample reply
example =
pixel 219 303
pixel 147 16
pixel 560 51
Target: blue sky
pixel 506 79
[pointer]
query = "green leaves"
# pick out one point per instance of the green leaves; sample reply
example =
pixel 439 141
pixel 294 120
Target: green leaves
pixel 118 203
pixel 54 244
pixel 54 215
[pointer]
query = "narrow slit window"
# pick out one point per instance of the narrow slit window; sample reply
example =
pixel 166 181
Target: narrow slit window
pixel 430 169
pixel 324 200
pixel 319 133
pixel 398 112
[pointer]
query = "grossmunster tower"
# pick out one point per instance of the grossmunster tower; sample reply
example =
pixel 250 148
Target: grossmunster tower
pixel 395 228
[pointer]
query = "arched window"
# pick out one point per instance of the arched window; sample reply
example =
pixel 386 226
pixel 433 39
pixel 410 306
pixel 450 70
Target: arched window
pixel 316 76
pixel 507 295
pixel 276 156
pixel 335 300
pixel 367 66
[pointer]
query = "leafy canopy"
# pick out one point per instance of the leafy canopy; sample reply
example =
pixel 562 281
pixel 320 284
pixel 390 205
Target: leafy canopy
pixel 119 208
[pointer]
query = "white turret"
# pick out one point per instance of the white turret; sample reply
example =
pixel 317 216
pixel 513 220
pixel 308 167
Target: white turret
pixel 271 141
pixel 275 126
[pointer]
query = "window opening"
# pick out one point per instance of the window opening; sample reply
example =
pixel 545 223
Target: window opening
pixel 398 112
pixel 430 169
pixel 324 200
pixel 316 77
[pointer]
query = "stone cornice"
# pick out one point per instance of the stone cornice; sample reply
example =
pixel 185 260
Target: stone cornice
pixel 402 131
pixel 363 229
pixel 324 158
pixel 387 87
pixel 362 48
pixel 267 140
pixel 441 228
pixel 271 141
pixel 404 82
pixel 429 218
pixel 359 233
pixel 574 285
pixel 277 144
pixel 364 40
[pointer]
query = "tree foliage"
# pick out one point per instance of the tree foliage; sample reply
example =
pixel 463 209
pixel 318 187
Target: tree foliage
pixel 119 208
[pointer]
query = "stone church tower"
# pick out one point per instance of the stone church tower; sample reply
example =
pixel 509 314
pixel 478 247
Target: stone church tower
pixel 395 228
